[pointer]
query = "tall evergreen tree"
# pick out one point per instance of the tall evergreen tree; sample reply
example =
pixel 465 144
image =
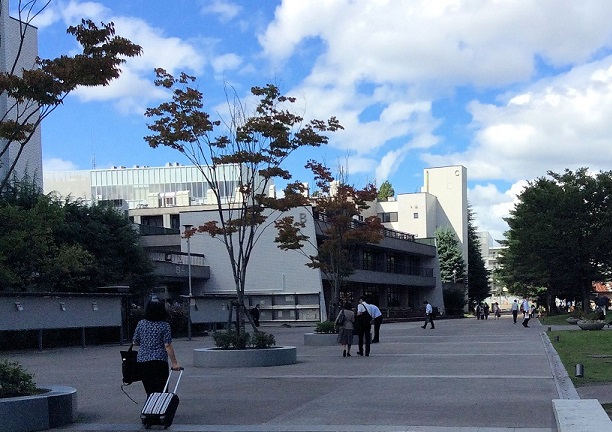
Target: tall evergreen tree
pixel 478 275
pixel 452 264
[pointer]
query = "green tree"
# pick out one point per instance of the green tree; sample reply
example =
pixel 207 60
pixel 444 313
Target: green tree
pixel 337 206
pixel 452 265
pixel 385 191
pixel 35 93
pixel 47 244
pixel 557 235
pixel 252 146
pixel 478 275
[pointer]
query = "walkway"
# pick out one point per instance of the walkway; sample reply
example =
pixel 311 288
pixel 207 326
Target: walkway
pixel 466 375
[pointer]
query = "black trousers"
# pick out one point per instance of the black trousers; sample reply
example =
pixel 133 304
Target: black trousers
pixel 363 332
pixel 377 323
pixel 514 315
pixel 154 375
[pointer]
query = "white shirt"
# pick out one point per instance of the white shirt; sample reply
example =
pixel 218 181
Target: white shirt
pixel 525 306
pixel 362 307
pixel 515 306
pixel 428 309
pixel 374 311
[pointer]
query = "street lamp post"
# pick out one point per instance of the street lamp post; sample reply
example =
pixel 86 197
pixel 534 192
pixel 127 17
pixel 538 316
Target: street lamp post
pixel 188 228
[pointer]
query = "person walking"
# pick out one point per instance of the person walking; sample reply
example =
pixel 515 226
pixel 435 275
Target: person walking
pixel 429 318
pixel 515 310
pixel 345 323
pixel 526 314
pixel 377 318
pixel 496 311
pixel 153 336
pixel 364 322
pixel 255 315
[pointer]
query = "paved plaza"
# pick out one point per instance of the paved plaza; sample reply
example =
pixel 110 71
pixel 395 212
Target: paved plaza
pixel 466 375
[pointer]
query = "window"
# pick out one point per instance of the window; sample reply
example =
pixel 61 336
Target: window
pixel 388 217
pixel 416 216
pixel 368 261
pixel 390 263
pixel 393 296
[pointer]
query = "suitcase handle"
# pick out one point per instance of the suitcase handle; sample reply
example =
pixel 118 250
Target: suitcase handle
pixel 180 371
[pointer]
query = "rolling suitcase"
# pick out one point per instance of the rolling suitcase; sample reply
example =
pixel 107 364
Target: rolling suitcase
pixel 159 409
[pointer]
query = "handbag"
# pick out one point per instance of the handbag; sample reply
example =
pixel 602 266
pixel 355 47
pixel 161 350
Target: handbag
pixel 129 366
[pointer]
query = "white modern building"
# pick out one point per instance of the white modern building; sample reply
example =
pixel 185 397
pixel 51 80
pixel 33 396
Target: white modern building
pixel 15 56
pixel 441 203
pixel 397 274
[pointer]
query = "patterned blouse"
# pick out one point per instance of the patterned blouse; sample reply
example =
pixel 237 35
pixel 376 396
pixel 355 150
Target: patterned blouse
pixel 152 337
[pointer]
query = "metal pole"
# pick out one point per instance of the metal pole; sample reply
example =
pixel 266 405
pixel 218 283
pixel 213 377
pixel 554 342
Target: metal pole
pixel 188 227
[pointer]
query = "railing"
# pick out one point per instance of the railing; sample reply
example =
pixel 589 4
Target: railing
pixel 385 231
pixel 146 230
pixel 177 258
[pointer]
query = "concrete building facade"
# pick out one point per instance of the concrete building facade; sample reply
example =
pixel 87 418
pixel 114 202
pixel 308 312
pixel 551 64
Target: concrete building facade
pixel 14 57
pixel 397 274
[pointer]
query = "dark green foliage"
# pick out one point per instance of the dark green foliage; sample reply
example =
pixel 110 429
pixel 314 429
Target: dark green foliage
pixel 385 191
pixel 452 265
pixel 240 340
pixel 559 236
pixel 53 245
pixel 261 340
pixel 14 380
pixel 454 299
pixel 326 327
pixel 478 275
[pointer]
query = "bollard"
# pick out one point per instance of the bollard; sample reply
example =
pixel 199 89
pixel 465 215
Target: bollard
pixel 557 338
pixel 579 370
pixel 549 328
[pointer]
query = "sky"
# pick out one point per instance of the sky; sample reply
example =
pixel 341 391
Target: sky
pixel 508 89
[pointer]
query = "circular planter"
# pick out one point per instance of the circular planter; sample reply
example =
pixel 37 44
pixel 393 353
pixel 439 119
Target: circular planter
pixel 587 325
pixel 324 339
pixel 572 320
pixel 55 408
pixel 220 358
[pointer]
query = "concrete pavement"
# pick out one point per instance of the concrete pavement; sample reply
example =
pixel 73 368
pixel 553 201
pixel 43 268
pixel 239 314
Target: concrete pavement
pixel 466 375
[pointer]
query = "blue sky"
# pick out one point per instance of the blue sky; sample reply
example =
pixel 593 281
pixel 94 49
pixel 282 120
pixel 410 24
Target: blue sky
pixel 509 89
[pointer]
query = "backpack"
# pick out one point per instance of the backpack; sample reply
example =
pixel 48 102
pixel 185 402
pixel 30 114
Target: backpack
pixel 365 317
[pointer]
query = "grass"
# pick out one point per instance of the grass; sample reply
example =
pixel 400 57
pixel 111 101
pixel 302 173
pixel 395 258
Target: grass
pixel 555 319
pixel 592 349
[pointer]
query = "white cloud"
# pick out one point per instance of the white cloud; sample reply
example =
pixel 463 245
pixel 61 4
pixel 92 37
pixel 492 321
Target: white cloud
pixel 226 62
pixel 556 123
pixel 57 164
pixel 224 9
pixel 134 89
pixel 490 206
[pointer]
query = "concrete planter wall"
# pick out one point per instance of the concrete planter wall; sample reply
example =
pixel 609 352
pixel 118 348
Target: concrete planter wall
pixel 324 339
pixel 572 320
pixel 48 410
pixel 587 325
pixel 219 358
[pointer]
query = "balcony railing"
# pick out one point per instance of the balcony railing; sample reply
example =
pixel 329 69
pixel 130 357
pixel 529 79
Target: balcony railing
pixel 177 258
pixel 385 231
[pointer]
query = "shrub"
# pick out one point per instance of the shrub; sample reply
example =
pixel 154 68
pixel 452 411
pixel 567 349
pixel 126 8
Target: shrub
pixel 326 327
pixel 262 340
pixel 234 340
pixel 15 381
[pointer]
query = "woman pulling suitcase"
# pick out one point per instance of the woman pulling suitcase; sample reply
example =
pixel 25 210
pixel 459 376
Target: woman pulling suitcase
pixel 153 336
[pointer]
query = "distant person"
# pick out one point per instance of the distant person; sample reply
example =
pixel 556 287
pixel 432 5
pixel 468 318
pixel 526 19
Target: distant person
pixel 364 323
pixel 477 310
pixel 429 316
pixel 525 308
pixel 486 311
pixel 481 312
pixel 153 336
pixel 377 319
pixel 515 310
pixel 255 315
pixel 345 321
pixel 496 310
